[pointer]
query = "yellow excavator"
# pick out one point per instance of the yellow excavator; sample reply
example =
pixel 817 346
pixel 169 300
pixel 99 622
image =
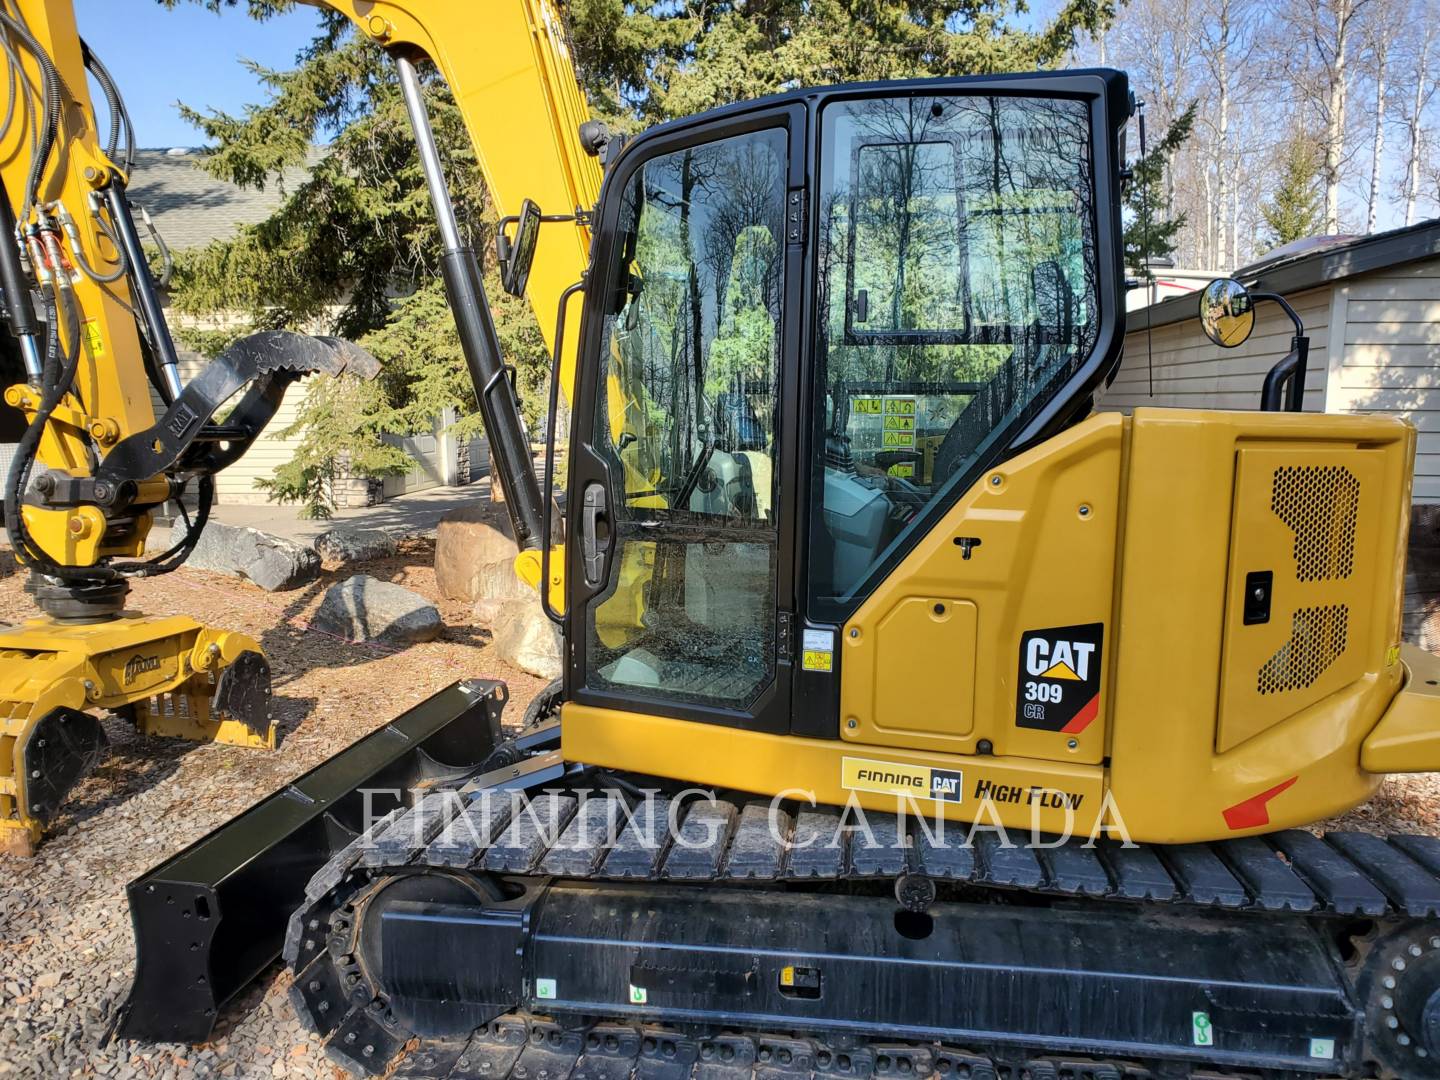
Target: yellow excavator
pixel 917 718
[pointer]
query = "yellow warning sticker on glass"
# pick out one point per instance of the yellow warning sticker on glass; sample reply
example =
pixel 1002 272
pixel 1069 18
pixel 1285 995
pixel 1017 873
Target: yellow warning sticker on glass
pixel 94 343
pixel 817 650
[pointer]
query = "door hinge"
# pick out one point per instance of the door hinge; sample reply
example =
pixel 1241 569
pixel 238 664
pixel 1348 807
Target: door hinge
pixel 785 636
pixel 795 217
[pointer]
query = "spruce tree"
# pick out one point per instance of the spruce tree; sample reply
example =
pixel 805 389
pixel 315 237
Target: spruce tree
pixel 1151 232
pixel 1297 208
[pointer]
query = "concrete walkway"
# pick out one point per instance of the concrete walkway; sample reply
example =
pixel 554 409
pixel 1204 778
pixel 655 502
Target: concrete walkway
pixel 419 512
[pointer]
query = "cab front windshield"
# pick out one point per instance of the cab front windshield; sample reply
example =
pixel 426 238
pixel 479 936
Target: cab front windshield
pixel 957 292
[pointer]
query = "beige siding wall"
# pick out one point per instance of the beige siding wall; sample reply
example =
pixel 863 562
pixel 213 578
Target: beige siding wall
pixel 237 483
pixel 1192 373
pixel 1390 362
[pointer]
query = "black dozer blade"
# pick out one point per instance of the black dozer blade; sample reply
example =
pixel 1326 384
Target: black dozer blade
pixel 210 919
pixel 263 365
pixel 243 692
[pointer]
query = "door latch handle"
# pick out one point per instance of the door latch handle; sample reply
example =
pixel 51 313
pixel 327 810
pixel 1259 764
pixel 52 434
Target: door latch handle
pixel 594 517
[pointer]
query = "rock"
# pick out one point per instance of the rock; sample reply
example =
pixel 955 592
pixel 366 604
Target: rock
pixel 488 609
pixel 347 544
pixel 272 562
pixel 467 540
pixel 526 639
pixel 363 608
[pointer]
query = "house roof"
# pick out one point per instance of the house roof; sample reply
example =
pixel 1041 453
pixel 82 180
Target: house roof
pixel 1298 267
pixel 190 207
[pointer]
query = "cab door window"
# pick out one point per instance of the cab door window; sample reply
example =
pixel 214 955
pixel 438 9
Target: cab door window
pixel 687 416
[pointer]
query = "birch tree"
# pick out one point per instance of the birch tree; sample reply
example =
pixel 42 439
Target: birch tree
pixel 1419 71
pixel 1329 29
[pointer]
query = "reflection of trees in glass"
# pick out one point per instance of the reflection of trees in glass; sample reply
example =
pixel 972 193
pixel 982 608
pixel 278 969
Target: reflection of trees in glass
pixel 967 223
pixel 704 323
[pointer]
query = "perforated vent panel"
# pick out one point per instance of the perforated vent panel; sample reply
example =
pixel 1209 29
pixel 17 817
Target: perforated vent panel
pixel 1319 503
pixel 1317 638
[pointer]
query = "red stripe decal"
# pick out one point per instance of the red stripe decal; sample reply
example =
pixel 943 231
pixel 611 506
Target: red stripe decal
pixel 1082 719
pixel 1253 813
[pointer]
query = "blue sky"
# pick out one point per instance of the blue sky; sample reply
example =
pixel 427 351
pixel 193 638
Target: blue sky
pixel 189 54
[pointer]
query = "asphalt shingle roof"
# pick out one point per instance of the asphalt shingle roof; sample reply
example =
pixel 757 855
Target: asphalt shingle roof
pixel 190 207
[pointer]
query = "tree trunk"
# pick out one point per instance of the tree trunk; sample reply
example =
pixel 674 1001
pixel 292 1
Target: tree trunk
pixel 1412 123
pixel 1335 113
pixel 1377 149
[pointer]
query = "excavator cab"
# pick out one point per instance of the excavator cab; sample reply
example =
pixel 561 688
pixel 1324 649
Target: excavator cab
pixel 825 316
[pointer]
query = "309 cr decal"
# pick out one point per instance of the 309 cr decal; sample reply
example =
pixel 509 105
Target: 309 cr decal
pixel 1058 688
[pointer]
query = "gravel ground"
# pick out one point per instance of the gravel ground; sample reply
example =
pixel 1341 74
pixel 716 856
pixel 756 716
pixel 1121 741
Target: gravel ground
pixel 66 956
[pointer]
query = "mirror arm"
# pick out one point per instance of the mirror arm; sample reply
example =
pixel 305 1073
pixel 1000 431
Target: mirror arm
pixel 1285 305
pixel 1284 386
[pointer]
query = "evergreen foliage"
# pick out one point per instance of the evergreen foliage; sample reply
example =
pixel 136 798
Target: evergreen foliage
pixel 1151 232
pixel 1297 207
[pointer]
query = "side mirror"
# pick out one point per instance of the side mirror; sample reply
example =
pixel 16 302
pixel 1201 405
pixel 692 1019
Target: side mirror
pixel 516 255
pixel 1227 312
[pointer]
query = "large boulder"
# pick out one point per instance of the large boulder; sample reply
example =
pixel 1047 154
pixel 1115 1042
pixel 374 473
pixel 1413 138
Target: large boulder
pixel 347 544
pixel 466 542
pixel 526 639
pixel 363 608
pixel 272 562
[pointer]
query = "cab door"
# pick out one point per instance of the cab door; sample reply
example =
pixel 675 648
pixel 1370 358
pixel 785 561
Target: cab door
pixel 679 508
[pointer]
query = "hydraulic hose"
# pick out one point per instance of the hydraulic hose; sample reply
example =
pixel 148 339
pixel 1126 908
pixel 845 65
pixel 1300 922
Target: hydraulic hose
pixel 52 86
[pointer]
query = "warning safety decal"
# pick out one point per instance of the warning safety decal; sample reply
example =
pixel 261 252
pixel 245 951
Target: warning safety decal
pixel 1059 683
